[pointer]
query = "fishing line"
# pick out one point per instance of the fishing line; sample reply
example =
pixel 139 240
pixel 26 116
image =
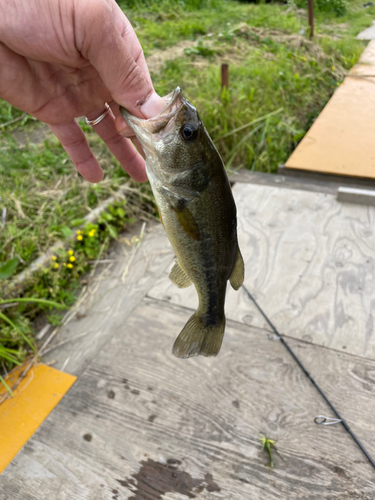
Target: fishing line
pixel 292 353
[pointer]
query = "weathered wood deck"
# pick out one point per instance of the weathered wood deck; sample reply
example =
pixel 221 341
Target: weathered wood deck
pixel 310 261
pixel 140 424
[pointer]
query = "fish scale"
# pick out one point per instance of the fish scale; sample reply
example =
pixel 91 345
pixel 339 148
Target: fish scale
pixel 198 213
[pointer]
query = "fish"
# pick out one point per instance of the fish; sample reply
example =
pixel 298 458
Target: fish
pixel 198 212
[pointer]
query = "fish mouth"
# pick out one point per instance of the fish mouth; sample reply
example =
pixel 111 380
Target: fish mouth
pixel 159 127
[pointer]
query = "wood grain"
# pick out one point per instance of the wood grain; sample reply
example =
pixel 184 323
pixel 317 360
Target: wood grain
pixel 309 261
pixel 136 404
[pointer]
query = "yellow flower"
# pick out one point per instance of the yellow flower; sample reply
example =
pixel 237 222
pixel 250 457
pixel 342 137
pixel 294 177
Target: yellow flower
pixel 79 232
pixel 92 233
pixel 56 265
pixel 72 258
pixel 338 83
pixel 333 68
pixel 70 252
pixel 53 257
pixel 70 266
pixel 79 237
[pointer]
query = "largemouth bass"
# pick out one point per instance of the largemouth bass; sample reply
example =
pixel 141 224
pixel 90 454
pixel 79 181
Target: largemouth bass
pixel 198 213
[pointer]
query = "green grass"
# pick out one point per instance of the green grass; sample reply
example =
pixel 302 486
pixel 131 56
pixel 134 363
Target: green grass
pixel 175 24
pixel 279 82
pixel 272 65
pixel 269 69
pixel 165 23
pixel 45 197
pixel 8 112
pixel 46 200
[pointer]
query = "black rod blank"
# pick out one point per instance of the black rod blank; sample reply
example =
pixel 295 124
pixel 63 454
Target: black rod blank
pixel 295 357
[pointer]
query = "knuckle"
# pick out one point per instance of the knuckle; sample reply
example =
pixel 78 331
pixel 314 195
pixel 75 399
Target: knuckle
pixel 133 78
pixel 76 142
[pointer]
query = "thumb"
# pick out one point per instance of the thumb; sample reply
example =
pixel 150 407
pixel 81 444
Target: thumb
pixel 112 47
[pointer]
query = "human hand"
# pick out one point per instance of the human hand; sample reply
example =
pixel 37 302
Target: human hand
pixel 63 59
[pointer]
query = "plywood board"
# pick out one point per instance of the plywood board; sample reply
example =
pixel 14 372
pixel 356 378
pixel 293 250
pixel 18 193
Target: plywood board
pixel 34 398
pixel 342 139
pixel 140 424
pixel 310 263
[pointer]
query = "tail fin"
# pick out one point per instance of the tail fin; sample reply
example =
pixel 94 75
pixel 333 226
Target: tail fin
pixel 198 338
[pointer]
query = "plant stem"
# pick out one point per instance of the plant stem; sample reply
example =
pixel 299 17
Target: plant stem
pixel 10 322
pixel 6 386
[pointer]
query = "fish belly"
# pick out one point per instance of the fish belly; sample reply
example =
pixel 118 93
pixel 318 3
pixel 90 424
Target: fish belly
pixel 205 243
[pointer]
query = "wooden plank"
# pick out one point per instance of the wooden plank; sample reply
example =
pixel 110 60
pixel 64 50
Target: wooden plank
pixel 286 182
pixel 111 296
pixel 142 424
pixel 309 261
pixel 352 195
pixel 341 140
pixel 35 397
pixel 300 179
pixel 321 178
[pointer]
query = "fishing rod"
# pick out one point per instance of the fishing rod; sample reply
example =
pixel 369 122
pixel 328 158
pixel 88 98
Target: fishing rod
pixel 320 419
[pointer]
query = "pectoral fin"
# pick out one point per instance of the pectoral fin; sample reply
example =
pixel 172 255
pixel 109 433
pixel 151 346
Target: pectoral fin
pixel 179 277
pixel 238 273
pixel 186 220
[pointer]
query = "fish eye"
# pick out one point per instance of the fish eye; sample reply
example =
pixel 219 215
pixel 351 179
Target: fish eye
pixel 189 132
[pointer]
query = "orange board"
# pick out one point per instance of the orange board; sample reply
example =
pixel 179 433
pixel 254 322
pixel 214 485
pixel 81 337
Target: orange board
pixel 342 139
pixel 34 398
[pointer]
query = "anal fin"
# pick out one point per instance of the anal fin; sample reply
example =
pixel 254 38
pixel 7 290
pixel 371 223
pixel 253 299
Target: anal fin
pixel 238 273
pixel 179 277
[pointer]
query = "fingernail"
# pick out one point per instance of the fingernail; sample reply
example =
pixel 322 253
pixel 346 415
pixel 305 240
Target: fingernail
pixel 152 106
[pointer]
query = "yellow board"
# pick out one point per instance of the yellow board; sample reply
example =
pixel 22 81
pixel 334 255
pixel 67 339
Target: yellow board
pixel 34 398
pixel 342 139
